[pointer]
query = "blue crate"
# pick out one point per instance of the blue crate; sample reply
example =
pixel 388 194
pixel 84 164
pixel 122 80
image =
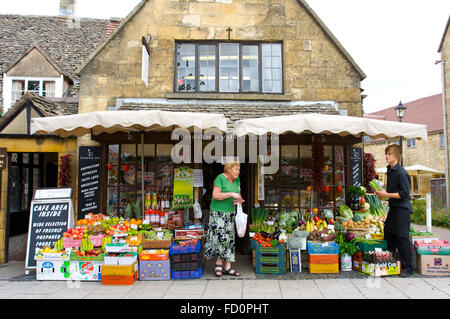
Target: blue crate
pixel 177 249
pixel 187 274
pixel 319 248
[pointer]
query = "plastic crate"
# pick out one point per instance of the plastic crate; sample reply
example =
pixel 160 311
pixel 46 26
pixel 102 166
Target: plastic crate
pixel 187 274
pixel 119 270
pixel 154 270
pixel 363 247
pixel 177 249
pixel 324 268
pixel 323 259
pixel 119 280
pixel 270 260
pixel 324 248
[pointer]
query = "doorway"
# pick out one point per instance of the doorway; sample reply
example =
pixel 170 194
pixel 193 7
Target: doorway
pixel 210 172
pixel 26 173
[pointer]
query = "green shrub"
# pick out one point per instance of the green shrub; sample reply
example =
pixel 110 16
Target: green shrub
pixel 440 216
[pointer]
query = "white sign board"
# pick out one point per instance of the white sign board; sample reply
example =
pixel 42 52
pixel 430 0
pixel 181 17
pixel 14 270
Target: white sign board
pixel 145 61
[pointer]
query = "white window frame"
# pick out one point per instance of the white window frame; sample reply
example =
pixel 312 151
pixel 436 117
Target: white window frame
pixel 7 87
pixel 411 143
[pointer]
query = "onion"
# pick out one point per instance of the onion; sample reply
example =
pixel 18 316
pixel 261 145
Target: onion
pixel 349 237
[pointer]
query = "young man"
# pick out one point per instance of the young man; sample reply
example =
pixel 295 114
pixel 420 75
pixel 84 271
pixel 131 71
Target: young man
pixel 396 228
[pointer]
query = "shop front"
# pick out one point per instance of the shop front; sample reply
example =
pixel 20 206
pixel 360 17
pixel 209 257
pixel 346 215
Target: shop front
pixel 151 180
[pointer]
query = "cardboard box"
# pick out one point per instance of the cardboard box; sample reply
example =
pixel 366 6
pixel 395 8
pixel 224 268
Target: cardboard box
pixel 189 233
pixel 86 270
pixel 381 269
pixel 154 270
pixel 357 261
pixel 52 256
pixel 434 247
pixel 295 260
pixel 427 238
pixel 52 270
pixel 433 265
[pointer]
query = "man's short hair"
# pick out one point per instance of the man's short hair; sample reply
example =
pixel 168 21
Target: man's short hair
pixel 395 149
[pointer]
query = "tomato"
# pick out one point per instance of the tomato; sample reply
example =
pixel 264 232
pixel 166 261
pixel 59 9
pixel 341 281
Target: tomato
pixel 316 218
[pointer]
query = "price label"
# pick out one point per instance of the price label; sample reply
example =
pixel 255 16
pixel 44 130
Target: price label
pixel 378 250
pixel 134 226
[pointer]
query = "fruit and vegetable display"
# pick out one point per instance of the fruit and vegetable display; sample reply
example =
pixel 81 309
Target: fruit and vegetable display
pixel 378 256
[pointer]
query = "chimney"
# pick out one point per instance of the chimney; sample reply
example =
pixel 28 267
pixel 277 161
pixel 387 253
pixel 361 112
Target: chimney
pixel 112 25
pixel 67 7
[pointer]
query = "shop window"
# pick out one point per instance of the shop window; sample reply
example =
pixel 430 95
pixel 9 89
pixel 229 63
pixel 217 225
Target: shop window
pixel 288 188
pixel 241 67
pixel 124 175
pixel 25 176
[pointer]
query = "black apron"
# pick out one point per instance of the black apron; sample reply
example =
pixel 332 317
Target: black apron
pixel 397 221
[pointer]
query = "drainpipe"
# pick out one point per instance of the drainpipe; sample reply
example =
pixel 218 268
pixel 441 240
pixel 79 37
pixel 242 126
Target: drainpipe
pixel 444 116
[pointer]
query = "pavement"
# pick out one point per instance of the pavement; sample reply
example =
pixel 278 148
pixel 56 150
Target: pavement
pixel 14 284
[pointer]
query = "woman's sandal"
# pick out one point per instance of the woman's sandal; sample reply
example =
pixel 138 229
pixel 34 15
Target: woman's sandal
pixel 231 272
pixel 218 270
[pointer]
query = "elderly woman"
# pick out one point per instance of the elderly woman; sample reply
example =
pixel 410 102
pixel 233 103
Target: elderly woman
pixel 220 239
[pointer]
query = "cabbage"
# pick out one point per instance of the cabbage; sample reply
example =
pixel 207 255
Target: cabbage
pixel 345 211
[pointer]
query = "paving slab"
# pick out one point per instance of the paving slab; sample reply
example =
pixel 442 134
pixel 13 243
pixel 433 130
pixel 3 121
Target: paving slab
pixel 338 289
pixel 417 288
pixel 300 289
pixel 261 289
pixel 224 289
pixel 377 288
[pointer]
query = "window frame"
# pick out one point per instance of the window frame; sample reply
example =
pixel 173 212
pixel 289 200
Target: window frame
pixel 217 67
pixel 411 143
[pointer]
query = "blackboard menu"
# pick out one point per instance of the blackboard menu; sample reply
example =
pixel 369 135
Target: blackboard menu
pixel 355 166
pixel 89 181
pixel 49 220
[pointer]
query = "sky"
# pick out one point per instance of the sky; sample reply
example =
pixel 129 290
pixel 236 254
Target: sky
pixel 394 42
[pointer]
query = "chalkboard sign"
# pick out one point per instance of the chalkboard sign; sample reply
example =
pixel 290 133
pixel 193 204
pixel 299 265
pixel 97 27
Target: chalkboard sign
pixel 89 180
pixel 49 219
pixel 355 166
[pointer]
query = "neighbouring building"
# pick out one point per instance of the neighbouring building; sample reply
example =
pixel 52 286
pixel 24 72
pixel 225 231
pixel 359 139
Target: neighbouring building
pixel 40 54
pixel 38 60
pixel 427 111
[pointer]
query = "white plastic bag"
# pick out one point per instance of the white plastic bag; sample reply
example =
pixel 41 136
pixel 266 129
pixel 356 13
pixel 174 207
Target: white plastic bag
pixel 241 221
pixel 197 209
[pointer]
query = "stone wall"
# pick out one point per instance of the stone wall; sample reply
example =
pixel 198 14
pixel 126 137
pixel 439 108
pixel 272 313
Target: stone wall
pixel 428 153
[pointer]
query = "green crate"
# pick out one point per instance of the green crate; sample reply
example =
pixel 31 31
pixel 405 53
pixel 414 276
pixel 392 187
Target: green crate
pixel 363 247
pixel 270 260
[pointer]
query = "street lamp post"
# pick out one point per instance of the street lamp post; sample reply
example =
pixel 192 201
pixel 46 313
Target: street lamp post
pixel 400 110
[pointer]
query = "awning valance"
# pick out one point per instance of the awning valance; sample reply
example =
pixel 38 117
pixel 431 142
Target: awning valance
pixel 125 121
pixel 329 124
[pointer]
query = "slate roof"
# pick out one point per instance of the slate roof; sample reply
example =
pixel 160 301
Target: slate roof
pixel 68 42
pixel 55 107
pixel 232 110
pixel 427 111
